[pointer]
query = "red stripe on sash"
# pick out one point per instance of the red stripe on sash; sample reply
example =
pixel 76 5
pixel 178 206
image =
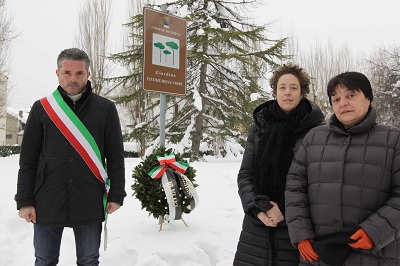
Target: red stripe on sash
pixel 71 138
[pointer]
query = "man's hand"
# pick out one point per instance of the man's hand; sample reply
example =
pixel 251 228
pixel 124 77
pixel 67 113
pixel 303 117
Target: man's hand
pixel 112 207
pixel 28 213
pixel 306 250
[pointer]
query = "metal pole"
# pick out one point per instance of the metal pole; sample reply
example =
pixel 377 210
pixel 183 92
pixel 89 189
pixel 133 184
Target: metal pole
pixel 162 103
pixel 162 119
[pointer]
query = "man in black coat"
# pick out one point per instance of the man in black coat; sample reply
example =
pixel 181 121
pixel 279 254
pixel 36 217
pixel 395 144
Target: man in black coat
pixel 72 170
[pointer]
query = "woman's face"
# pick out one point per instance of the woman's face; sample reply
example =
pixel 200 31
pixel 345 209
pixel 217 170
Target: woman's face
pixel 350 107
pixel 288 92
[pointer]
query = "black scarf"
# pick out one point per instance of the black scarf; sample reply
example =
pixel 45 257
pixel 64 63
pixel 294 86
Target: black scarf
pixel 275 148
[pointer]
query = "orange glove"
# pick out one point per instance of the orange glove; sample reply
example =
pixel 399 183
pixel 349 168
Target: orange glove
pixel 307 252
pixel 363 240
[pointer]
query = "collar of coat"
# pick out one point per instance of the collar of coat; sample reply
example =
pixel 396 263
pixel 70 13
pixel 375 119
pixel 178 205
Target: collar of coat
pixel 365 125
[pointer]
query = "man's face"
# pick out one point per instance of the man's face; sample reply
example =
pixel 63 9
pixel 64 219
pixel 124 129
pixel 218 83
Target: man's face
pixel 350 107
pixel 288 92
pixel 72 76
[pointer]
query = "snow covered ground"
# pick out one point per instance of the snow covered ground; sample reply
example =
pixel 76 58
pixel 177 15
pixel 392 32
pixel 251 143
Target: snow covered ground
pixel 134 237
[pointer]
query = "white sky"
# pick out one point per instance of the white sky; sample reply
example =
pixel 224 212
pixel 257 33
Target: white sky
pixel 47 26
pixel 360 24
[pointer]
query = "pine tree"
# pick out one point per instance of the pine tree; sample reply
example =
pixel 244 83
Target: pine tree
pixel 227 57
pixel 135 101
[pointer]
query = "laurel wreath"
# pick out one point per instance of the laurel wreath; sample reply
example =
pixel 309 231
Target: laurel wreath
pixel 150 191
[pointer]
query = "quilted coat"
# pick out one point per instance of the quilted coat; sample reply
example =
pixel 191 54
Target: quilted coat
pixel 259 244
pixel 54 178
pixel 341 180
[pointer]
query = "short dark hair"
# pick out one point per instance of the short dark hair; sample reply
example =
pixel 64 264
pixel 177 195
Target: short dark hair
pixel 73 54
pixel 354 81
pixel 297 71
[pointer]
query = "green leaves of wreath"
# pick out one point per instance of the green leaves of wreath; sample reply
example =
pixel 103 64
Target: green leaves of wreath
pixel 150 191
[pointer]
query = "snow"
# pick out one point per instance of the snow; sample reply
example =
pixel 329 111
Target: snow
pixel 254 97
pixel 197 100
pixel 200 32
pixel 131 146
pixel 214 24
pixel 133 236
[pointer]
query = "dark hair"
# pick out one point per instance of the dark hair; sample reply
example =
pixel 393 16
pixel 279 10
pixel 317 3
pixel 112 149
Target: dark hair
pixel 354 81
pixel 73 54
pixel 297 71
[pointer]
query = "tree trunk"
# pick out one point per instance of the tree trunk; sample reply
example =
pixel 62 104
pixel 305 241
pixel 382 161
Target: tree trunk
pixel 198 126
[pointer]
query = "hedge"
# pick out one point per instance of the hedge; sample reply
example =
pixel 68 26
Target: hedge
pixel 8 150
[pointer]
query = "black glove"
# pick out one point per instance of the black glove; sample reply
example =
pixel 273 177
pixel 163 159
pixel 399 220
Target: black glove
pixel 262 202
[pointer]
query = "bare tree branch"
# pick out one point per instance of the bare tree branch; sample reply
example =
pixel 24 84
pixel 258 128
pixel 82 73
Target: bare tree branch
pixel 92 37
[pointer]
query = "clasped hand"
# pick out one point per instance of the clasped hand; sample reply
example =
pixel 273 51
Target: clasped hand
pixel 271 217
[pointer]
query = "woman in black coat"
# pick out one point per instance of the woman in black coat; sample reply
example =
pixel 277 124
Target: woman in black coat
pixel 279 125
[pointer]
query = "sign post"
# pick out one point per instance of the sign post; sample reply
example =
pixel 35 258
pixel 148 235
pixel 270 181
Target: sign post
pixel 164 57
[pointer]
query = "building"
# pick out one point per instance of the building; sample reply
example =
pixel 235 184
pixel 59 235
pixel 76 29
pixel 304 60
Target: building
pixel 3 101
pixel 15 125
pixel 12 122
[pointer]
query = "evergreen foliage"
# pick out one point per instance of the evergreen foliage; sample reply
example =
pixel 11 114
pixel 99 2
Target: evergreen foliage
pixel 228 57
pixel 138 102
pixel 150 191
pixel 8 150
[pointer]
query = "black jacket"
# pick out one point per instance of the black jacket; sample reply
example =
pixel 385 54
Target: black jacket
pixel 54 178
pixel 248 188
pixel 259 244
pixel 341 180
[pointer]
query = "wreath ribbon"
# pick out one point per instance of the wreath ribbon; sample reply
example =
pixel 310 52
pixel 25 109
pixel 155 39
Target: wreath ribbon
pixel 168 160
pixel 189 191
pixel 170 184
pixel 171 190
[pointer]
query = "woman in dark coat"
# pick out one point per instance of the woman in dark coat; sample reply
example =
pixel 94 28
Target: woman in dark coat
pixel 279 125
pixel 343 187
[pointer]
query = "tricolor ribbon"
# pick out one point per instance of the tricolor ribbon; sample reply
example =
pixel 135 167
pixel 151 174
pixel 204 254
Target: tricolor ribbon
pixel 168 160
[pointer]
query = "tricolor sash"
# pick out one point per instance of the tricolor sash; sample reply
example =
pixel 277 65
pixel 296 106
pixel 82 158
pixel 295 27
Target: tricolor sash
pixel 79 136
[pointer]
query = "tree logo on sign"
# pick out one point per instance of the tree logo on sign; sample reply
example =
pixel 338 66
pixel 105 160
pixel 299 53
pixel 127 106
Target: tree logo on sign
pixel 165 51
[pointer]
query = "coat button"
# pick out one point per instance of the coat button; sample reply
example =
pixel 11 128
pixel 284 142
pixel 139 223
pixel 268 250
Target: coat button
pixel 70 180
pixel 71 159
